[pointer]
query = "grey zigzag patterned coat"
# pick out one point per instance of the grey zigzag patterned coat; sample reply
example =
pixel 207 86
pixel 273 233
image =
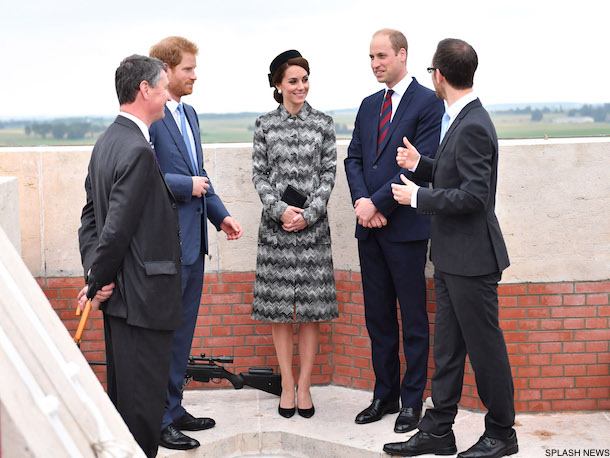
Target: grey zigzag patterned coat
pixel 294 270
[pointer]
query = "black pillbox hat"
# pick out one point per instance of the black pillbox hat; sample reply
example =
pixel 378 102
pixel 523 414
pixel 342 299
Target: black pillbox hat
pixel 281 60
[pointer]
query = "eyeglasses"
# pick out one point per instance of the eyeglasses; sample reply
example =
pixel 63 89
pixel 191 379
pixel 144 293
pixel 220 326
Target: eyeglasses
pixel 431 69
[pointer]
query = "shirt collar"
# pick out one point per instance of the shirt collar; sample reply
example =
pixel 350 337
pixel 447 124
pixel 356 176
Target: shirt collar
pixel 401 87
pixel 138 123
pixel 172 105
pixel 459 105
pixel 302 114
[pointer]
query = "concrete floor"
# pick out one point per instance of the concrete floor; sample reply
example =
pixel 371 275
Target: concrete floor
pixel 247 424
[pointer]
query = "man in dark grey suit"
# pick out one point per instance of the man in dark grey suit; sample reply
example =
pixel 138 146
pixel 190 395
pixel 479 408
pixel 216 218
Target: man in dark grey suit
pixel 469 255
pixel 129 237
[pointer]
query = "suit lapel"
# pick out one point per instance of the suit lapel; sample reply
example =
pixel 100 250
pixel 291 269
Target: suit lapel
pixel 169 122
pixel 400 111
pixel 475 103
pixel 371 121
pixel 132 125
pixel 191 118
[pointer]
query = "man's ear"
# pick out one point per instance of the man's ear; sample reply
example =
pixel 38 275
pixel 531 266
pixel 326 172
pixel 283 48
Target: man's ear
pixel 144 88
pixel 402 52
pixel 439 76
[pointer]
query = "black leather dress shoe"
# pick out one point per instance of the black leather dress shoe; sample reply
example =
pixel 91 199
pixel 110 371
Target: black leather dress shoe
pixel 174 439
pixel 407 420
pixel 488 447
pixel 422 443
pixel 376 410
pixel 189 423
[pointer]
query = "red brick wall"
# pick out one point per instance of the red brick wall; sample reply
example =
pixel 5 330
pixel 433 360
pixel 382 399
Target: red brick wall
pixel 557 336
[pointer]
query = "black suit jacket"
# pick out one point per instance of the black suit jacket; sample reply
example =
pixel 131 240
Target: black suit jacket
pixel 129 230
pixel 418 117
pixel 465 234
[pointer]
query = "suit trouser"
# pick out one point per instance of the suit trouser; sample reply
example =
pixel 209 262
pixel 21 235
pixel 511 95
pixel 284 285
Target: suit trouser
pixel 192 283
pixel 138 365
pixel 390 271
pixel 467 323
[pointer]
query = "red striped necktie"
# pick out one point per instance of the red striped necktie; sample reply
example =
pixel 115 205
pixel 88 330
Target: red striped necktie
pixel 384 118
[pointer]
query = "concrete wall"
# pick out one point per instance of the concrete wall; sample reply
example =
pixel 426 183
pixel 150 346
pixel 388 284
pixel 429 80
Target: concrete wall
pixel 552 201
pixel 9 210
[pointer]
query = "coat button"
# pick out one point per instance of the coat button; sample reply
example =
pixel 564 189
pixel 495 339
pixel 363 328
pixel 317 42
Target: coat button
pixel 375 166
pixel 173 205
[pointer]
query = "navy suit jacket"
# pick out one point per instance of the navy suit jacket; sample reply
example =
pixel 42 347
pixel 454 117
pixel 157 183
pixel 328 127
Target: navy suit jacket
pixel 418 117
pixel 466 235
pixel 177 168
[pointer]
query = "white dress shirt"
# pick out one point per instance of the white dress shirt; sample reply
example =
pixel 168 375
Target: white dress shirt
pixel 172 106
pixel 399 90
pixel 143 127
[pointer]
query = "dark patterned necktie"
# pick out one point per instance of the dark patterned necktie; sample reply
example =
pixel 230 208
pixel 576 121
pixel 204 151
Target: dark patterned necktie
pixel 384 118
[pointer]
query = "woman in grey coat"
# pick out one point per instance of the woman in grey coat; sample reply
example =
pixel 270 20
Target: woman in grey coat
pixel 294 157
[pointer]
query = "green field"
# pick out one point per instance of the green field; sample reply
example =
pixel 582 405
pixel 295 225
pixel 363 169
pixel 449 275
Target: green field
pixel 239 128
pixel 17 137
pixel 521 126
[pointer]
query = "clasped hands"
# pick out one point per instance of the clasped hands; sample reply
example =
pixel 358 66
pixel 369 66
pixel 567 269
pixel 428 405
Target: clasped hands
pixel 407 158
pixel 102 295
pixel 292 219
pixel 368 215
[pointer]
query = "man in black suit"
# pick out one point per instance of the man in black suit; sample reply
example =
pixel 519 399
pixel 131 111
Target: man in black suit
pixel 469 255
pixel 392 239
pixel 129 237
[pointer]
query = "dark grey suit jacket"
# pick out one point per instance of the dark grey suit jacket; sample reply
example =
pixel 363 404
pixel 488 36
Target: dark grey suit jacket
pixel 465 234
pixel 129 230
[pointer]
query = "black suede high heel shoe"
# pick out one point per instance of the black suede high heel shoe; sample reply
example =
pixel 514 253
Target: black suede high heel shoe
pixel 307 413
pixel 287 413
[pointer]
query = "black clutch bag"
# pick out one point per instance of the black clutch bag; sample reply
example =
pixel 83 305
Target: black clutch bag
pixel 294 197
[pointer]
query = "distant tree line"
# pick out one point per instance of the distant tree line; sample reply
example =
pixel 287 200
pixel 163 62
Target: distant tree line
pixel 599 113
pixel 343 129
pixel 65 129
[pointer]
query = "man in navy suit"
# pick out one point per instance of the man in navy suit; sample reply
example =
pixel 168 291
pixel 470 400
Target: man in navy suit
pixel 177 143
pixel 469 255
pixel 392 239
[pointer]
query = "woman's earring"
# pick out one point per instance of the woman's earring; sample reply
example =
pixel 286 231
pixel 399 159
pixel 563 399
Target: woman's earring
pixel 279 91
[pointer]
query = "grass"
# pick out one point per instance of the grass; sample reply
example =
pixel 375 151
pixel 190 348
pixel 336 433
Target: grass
pixel 240 129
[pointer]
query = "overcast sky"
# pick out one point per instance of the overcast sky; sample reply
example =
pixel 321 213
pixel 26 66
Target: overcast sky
pixel 59 57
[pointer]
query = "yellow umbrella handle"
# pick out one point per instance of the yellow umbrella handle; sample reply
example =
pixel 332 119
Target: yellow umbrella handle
pixel 83 321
